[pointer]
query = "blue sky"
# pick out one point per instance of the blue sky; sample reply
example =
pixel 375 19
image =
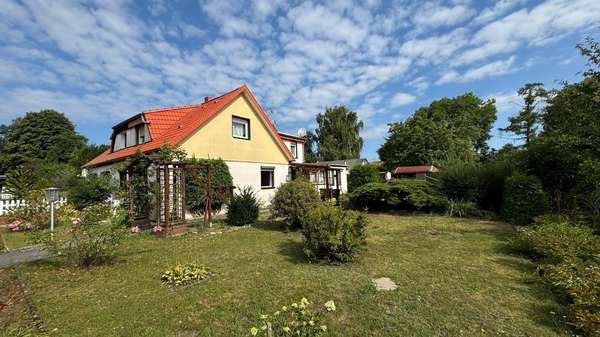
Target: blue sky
pixel 102 61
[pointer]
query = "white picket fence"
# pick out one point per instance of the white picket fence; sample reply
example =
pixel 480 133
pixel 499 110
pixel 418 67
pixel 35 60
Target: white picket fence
pixel 8 204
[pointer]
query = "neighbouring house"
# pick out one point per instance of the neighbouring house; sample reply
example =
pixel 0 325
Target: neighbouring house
pixel 414 171
pixel 344 165
pixel 233 127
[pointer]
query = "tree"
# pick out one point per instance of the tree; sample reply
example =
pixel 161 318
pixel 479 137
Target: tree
pixel 310 140
pixel 80 156
pixel 338 134
pixel 361 175
pixel 3 133
pixel 46 135
pixel 456 127
pixel 525 124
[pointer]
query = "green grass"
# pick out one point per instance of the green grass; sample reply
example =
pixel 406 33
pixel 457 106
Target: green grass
pixel 455 278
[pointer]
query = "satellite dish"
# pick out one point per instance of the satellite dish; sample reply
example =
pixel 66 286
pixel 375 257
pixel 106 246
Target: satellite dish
pixel 302 132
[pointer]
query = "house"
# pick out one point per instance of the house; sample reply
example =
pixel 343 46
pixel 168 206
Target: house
pixel 233 127
pixel 345 165
pixel 414 171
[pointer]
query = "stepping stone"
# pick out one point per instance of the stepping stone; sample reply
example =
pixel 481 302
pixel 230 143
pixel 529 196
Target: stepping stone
pixel 384 283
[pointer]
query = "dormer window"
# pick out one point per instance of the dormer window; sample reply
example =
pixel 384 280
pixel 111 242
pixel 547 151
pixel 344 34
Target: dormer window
pixel 130 133
pixel 240 128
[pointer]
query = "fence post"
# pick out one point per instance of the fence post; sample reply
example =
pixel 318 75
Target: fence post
pixel 269 330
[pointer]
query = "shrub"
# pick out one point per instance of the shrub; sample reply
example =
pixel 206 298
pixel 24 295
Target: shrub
pixel 567 255
pixel 460 180
pixel 404 194
pixel 461 208
pixel 296 319
pixel 92 237
pixel 362 174
pixel 85 191
pixel 556 240
pixel 332 234
pixel 243 207
pixel 492 177
pixel 524 199
pixel 196 190
pixel 33 214
pixel 182 275
pixel 293 199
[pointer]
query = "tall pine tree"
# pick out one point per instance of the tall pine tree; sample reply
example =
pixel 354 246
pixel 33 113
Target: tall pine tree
pixel 525 124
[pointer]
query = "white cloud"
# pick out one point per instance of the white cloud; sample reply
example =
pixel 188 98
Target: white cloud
pixel 401 99
pixel 496 68
pixel 435 15
pixel 375 131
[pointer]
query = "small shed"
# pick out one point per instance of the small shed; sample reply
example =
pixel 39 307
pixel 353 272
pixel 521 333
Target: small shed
pixel 414 171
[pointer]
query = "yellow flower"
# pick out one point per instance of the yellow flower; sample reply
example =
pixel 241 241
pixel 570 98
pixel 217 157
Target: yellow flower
pixel 286 329
pixel 284 308
pixel 324 327
pixel 330 305
pixel 311 322
pixel 264 316
pixel 276 313
pixel 253 331
pixel 294 305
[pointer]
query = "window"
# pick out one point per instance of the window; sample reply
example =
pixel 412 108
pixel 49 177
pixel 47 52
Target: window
pixel 267 177
pixel 241 128
pixel 294 149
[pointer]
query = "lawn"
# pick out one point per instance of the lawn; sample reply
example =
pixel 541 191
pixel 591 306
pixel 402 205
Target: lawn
pixel 454 278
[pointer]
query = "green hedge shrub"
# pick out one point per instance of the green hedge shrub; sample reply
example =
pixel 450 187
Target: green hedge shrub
pixel 332 234
pixel 568 256
pixel 492 178
pixel 293 199
pixel 85 191
pixel 362 174
pixel 460 180
pixel 404 194
pixel 243 208
pixel 524 199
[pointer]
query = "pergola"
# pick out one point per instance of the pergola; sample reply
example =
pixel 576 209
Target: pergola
pixel 325 177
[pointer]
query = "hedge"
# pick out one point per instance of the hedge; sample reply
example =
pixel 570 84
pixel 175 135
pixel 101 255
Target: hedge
pixel 405 194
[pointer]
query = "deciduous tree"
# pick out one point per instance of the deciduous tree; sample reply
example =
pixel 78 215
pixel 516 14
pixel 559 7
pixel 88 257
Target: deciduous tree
pixel 338 134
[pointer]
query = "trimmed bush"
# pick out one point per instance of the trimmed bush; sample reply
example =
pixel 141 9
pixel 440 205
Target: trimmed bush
pixel 362 174
pixel 293 199
pixel 404 194
pixel 243 208
pixel 524 199
pixel 332 234
pixel 567 257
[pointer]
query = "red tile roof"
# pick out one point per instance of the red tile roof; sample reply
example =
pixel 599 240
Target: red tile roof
pixel 291 137
pixel 170 126
pixel 415 169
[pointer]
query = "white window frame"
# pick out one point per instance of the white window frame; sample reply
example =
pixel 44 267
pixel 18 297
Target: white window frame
pixel 245 122
pixel 294 149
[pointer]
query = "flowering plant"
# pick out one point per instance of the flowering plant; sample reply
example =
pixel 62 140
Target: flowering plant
pixel 294 320
pixel 18 225
pixel 157 229
pixel 135 229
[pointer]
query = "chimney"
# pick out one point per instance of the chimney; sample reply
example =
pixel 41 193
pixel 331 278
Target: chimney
pixel 206 99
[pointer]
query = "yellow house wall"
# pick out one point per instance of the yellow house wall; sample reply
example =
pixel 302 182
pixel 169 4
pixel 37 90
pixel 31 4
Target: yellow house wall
pixel 215 140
